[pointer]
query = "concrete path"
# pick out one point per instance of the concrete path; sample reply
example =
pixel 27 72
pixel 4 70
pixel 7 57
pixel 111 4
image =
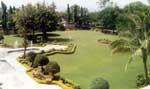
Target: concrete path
pixel 147 87
pixel 13 74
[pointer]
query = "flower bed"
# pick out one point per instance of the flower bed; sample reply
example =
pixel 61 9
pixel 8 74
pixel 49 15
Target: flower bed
pixel 62 82
pixel 104 41
pixel 36 74
pixel 70 50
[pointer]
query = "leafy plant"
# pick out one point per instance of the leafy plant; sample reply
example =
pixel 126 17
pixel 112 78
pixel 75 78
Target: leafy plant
pixel 52 67
pixel 40 60
pixel 139 42
pixel 77 87
pixel 140 80
pixel 1 37
pixel 99 83
pixel 31 57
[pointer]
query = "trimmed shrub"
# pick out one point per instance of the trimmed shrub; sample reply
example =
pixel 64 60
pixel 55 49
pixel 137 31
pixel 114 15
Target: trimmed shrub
pixel 77 87
pixel 52 67
pixel 99 83
pixel 1 37
pixel 40 60
pixel 140 80
pixel 31 56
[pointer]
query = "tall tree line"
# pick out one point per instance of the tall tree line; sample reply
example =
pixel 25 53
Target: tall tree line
pixel 6 17
pixel 77 15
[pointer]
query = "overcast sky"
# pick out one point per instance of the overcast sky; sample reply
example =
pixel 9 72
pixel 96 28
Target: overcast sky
pixel 61 4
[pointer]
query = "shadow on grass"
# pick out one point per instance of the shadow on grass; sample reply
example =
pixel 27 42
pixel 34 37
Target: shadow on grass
pixel 49 34
pixel 59 39
pixel 40 34
pixel 52 37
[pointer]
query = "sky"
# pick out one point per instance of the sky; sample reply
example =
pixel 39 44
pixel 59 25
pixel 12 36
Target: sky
pixel 61 5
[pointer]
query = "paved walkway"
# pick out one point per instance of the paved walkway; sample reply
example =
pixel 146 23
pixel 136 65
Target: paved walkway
pixel 13 74
pixel 147 87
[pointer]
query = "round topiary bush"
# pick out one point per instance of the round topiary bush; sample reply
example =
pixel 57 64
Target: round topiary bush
pixel 99 83
pixel 31 56
pixel 140 80
pixel 40 60
pixel 52 67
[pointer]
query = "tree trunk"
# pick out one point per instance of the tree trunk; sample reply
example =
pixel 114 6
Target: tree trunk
pixel 25 48
pixel 146 72
pixel 33 33
pixel 25 44
pixel 44 35
pixel 144 52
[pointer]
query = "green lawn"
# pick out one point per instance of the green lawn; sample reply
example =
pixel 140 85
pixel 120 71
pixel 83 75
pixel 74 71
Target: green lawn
pixel 11 40
pixel 92 60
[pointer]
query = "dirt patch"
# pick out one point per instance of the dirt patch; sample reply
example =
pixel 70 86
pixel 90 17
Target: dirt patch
pixel 104 41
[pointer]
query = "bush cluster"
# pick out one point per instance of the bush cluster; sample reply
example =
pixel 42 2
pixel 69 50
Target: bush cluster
pixel 40 60
pixel 99 83
pixel 31 56
pixel 140 80
pixel 1 37
pixel 52 67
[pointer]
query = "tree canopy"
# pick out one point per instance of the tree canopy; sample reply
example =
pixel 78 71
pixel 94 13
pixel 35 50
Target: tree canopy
pixel 40 18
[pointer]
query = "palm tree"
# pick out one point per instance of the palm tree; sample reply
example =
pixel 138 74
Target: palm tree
pixel 139 43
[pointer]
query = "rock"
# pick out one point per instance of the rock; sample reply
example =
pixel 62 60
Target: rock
pixel 38 73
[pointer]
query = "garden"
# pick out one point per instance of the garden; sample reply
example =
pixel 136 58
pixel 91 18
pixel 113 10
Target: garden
pixel 93 59
pixel 76 48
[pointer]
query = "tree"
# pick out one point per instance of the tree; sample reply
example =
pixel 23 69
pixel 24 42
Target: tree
pixel 76 10
pixel 94 16
pixel 47 20
pixel 122 19
pixel 139 42
pixel 108 17
pixel 10 10
pixel 11 23
pixel 4 16
pixel 79 15
pixel 83 18
pixel 68 13
pixel 23 23
pixel 53 6
pixel 135 8
pixel 41 18
pixel 14 8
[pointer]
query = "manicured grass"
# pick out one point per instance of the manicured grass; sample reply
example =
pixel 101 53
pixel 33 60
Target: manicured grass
pixel 11 39
pixel 93 59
